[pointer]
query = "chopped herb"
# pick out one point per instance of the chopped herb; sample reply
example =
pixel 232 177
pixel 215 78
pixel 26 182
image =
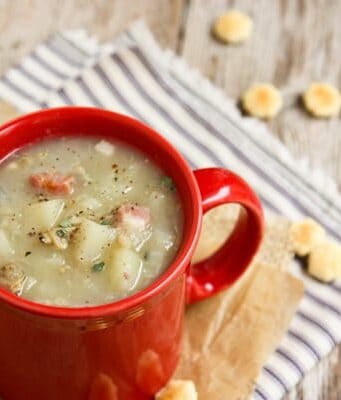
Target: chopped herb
pixel 28 253
pixel 146 256
pixel 66 224
pixel 60 233
pixel 167 182
pixel 98 267
pixel 105 222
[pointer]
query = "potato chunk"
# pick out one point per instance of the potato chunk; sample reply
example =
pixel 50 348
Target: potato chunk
pixel 125 267
pixel 91 240
pixel 105 148
pixel 42 216
pixel 6 249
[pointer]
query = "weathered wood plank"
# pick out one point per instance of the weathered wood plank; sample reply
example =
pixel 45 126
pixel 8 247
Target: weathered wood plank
pixel 322 383
pixel 24 23
pixel 294 42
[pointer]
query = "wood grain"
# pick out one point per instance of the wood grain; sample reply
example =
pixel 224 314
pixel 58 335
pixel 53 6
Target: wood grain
pixel 24 23
pixel 294 42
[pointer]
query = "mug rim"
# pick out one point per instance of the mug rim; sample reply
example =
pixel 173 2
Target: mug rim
pixel 188 243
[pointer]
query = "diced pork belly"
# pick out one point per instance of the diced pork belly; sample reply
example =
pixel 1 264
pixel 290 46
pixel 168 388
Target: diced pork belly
pixel 132 217
pixel 53 183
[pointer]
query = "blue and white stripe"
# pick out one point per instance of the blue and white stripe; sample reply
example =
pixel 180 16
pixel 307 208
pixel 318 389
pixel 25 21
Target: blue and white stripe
pixel 71 69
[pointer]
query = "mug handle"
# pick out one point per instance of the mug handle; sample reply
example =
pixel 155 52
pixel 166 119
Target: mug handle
pixel 219 186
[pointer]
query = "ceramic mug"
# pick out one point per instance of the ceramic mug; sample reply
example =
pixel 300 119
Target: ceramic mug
pixel 128 349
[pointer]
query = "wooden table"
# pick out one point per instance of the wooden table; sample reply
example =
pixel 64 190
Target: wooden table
pixel 294 42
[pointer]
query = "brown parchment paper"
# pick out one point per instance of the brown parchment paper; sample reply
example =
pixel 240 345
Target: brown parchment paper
pixel 229 337
pixel 7 112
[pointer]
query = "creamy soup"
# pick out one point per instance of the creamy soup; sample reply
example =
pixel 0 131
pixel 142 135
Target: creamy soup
pixel 84 222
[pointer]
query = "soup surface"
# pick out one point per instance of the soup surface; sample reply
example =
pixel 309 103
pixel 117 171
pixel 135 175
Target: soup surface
pixel 84 222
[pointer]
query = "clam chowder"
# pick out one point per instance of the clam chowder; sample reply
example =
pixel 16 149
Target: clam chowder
pixel 84 222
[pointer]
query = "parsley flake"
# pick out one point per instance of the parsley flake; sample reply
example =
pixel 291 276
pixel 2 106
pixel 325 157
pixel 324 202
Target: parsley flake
pixel 66 224
pixel 60 233
pixel 98 267
pixel 168 183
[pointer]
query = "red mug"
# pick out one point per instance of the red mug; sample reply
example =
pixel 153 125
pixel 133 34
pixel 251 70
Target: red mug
pixel 128 349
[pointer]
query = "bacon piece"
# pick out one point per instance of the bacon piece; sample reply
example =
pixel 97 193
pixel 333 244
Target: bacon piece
pixel 53 183
pixel 132 217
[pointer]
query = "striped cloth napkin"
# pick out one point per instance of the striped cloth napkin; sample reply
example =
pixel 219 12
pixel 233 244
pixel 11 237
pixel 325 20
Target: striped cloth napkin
pixel 132 75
